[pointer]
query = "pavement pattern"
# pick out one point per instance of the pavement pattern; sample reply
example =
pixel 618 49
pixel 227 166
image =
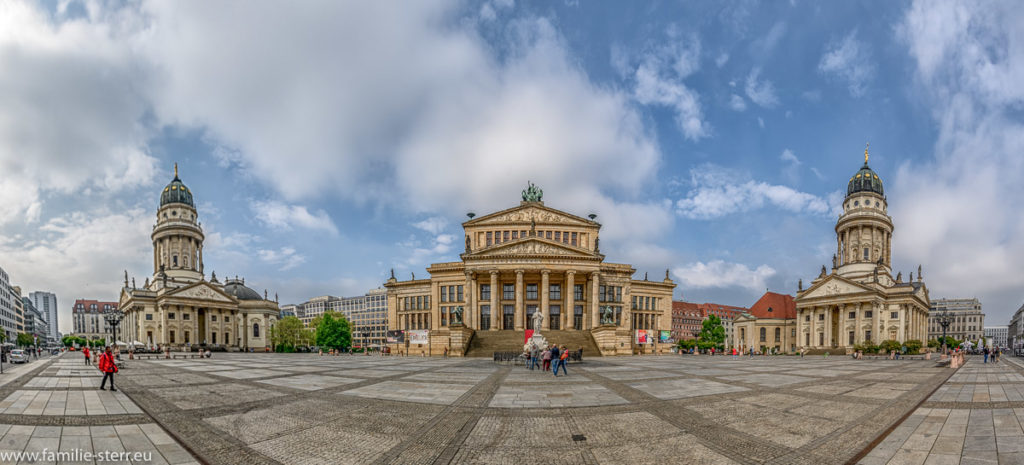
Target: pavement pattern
pixel 973 418
pixel 308 409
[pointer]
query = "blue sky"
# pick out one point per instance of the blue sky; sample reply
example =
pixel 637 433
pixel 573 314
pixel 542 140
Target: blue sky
pixel 327 142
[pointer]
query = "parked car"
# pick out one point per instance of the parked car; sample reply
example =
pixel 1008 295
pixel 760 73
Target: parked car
pixel 19 356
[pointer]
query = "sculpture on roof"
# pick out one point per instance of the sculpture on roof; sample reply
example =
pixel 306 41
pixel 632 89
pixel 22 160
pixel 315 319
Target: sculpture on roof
pixel 532 193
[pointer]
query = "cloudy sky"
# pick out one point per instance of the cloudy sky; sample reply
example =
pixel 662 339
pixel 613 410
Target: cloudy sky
pixel 327 142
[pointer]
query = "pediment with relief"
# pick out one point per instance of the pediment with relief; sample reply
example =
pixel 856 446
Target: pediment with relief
pixel 833 287
pixel 533 246
pixel 201 291
pixel 527 214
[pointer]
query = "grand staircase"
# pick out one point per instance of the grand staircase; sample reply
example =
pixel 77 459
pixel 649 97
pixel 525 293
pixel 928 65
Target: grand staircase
pixel 486 343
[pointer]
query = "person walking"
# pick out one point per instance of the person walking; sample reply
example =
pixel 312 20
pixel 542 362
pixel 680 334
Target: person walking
pixel 563 359
pixel 554 360
pixel 108 367
pixel 85 350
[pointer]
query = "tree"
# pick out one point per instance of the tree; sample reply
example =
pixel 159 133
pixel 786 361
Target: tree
pixel 289 334
pixel 712 334
pixel 333 333
pixel 25 339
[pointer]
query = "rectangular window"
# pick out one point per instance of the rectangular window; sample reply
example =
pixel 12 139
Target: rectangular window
pixel 573 239
pixel 577 291
pixel 531 292
pixel 485 292
pixel 894 315
pixel 458 293
pixel 489 237
pixel 444 293
pixel 508 291
pixel 170 316
pixel 555 292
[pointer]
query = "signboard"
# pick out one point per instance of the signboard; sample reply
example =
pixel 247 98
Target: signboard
pixel 641 337
pixel 665 337
pixel 418 336
pixel 396 337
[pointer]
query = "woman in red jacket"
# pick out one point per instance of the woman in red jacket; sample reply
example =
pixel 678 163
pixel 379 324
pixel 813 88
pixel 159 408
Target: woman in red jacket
pixel 108 367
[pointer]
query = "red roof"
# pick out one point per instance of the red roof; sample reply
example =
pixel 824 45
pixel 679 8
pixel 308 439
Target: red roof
pixel 772 305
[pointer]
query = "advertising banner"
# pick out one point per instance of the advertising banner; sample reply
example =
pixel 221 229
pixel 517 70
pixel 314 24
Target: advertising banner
pixel 418 336
pixel 641 337
pixel 665 337
pixel 396 337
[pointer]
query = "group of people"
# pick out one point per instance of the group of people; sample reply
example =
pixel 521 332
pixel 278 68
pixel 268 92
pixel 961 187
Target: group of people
pixel 550 358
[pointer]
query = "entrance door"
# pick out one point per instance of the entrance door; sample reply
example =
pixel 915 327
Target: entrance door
pixel 508 317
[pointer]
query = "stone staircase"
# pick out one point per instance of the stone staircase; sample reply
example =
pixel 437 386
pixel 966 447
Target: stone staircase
pixel 486 343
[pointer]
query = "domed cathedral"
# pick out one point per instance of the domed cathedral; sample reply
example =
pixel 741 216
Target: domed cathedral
pixel 860 300
pixel 178 307
pixel 530 267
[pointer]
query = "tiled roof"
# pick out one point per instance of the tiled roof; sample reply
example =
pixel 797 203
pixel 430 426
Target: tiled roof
pixel 772 305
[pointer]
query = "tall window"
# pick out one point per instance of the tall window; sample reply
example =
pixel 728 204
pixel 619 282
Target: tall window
pixel 508 291
pixel 555 292
pixel 485 292
pixel 531 292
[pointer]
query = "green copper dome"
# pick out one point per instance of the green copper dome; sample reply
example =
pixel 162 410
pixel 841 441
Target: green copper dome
pixel 176 192
pixel 866 180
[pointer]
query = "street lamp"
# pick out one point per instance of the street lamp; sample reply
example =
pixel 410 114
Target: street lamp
pixel 113 318
pixel 944 319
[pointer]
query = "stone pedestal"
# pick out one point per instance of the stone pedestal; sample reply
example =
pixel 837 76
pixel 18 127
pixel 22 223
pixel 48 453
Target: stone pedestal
pixel 612 340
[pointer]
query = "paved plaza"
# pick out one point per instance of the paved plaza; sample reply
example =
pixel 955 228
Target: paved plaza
pixel 307 409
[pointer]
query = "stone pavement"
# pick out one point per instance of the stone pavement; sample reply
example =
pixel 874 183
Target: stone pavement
pixel 304 408
pixel 53 412
pixel 974 418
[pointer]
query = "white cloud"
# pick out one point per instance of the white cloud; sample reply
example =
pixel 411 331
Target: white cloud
pixel 280 215
pixel 737 103
pixel 717 192
pixel 959 215
pixel 285 257
pixel 433 225
pixel 760 92
pixel 721 274
pixel 71 118
pixel 658 81
pixel 850 61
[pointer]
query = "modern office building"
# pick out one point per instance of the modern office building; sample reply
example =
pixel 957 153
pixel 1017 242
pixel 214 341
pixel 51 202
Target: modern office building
pixel 967 321
pixel 997 335
pixel 46 303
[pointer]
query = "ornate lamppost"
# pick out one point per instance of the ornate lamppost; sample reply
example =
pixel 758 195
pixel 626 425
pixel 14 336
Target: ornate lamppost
pixel 944 319
pixel 113 318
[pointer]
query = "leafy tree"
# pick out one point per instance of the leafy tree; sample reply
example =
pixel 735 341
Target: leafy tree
pixel 333 333
pixel 25 339
pixel 712 333
pixel 289 334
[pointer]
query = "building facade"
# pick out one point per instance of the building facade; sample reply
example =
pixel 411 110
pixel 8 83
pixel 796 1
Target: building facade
pixel 46 303
pixel 997 335
pixel 526 260
pixel 967 319
pixel 179 307
pixel 860 300
pixel 769 325
pixel 9 305
pixel 87 318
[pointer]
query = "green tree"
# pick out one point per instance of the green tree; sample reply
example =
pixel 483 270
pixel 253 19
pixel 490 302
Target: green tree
pixel 25 339
pixel 333 333
pixel 289 334
pixel 712 333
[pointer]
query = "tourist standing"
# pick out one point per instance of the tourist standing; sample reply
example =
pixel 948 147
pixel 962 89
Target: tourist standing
pixel 108 367
pixel 85 350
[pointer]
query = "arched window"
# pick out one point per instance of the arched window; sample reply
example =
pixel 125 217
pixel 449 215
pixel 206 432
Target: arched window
pixel 255 330
pixel 764 334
